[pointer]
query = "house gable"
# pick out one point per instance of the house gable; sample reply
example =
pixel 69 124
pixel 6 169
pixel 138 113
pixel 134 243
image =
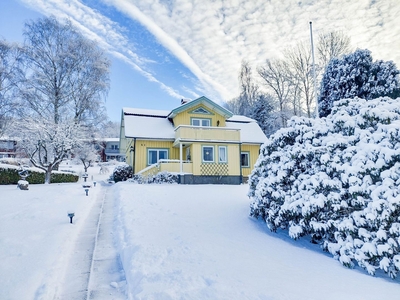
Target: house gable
pixel 201 108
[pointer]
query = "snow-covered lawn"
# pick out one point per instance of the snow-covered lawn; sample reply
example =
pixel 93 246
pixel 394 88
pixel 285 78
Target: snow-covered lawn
pixel 174 241
pixel 197 242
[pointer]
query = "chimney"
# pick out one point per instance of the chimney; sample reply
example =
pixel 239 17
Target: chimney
pixel 184 101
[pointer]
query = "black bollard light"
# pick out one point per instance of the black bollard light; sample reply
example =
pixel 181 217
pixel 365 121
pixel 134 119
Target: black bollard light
pixel 87 191
pixel 70 215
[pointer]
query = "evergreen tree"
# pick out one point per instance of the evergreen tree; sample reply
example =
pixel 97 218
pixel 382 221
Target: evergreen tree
pixel 356 75
pixel 263 112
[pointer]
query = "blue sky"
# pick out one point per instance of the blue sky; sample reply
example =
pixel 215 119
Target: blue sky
pixel 162 51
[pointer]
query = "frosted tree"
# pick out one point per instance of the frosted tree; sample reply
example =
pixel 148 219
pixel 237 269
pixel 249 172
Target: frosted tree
pixel 86 152
pixel 356 75
pixel 67 75
pixel 10 73
pixel 47 143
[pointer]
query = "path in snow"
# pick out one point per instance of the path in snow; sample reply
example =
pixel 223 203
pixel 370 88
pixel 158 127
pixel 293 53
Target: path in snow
pixel 94 268
pixel 107 279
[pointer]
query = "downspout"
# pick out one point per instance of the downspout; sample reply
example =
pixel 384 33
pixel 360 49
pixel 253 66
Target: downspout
pixel 134 155
pixel 240 163
pixel 180 159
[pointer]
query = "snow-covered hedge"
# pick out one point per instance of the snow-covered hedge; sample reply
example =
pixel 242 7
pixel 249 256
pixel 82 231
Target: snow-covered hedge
pixel 161 177
pixel 9 175
pixel 336 179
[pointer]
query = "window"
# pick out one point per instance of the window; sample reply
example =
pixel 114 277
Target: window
pixel 222 154
pixel 154 155
pixel 201 122
pixel 208 154
pixel 201 110
pixel 244 159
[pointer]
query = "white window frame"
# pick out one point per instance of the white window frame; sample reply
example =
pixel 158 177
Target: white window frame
pixel 248 159
pixel 202 153
pixel 158 150
pixel 201 122
pixel 225 155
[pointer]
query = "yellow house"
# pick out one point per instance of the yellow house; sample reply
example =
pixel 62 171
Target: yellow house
pixel 200 140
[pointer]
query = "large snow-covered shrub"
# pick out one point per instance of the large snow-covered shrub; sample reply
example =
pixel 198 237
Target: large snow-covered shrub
pixel 122 173
pixel 336 179
pixel 357 75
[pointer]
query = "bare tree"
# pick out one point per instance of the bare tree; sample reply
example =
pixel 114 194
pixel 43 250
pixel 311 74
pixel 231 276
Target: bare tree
pixel 276 76
pixel 248 90
pixel 67 75
pixel 300 64
pixel 332 44
pixel 10 72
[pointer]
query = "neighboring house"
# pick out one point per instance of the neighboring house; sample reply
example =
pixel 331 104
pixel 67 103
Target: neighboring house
pixel 200 140
pixel 8 147
pixel 111 150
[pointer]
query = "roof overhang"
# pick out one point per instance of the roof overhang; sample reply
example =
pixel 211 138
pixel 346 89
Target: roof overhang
pixel 206 102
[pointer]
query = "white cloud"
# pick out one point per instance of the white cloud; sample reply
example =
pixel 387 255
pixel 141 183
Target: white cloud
pixel 211 38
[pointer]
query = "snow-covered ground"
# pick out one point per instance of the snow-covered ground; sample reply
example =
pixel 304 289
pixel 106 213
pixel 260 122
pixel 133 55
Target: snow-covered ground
pixel 171 242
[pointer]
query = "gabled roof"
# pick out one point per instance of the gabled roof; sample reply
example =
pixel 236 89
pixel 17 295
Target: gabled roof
pixel 156 124
pixel 148 127
pixel 206 102
pixel 145 112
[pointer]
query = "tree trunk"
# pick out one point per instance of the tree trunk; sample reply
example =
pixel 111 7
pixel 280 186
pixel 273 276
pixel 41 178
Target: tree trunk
pixel 48 175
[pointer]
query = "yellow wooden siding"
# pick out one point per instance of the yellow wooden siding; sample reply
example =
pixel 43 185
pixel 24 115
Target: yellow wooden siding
pixel 254 153
pixel 207 134
pixel 176 167
pixel 215 168
pixel 184 118
pixel 141 151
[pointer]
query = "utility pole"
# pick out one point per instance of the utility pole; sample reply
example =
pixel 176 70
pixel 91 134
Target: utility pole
pixel 314 75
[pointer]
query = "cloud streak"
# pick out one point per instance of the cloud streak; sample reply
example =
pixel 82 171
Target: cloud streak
pixel 101 29
pixel 211 38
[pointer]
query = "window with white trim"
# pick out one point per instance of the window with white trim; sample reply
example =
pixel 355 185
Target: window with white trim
pixel 245 159
pixel 201 122
pixel 154 155
pixel 208 154
pixel 222 155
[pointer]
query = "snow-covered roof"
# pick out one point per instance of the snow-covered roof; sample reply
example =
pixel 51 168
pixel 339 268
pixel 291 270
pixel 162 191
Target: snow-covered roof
pixel 145 112
pixel 154 124
pixel 111 139
pixel 249 132
pixel 148 127
pixel 239 118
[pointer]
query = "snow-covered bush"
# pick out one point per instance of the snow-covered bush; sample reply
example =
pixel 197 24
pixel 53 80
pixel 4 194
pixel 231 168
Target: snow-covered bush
pixel 336 179
pixel 122 173
pixel 357 75
pixel 161 177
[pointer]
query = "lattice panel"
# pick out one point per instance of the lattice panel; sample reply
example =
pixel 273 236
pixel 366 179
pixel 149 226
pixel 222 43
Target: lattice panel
pixel 214 169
